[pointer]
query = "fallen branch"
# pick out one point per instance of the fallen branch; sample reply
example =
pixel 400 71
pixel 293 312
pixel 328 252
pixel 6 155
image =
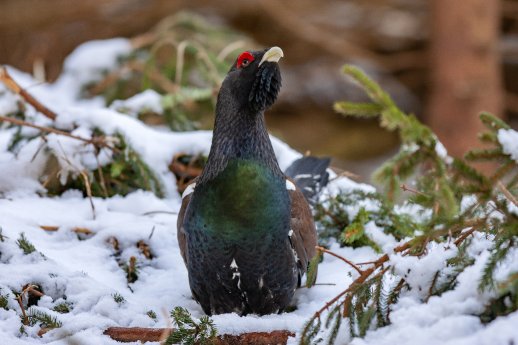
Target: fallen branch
pixel 133 334
pixel 12 85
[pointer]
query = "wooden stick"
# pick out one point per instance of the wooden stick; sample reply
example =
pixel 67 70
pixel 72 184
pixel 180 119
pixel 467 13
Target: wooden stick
pixel 12 85
pixel 132 334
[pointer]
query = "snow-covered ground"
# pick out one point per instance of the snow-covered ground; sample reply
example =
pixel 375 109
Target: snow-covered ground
pixel 84 271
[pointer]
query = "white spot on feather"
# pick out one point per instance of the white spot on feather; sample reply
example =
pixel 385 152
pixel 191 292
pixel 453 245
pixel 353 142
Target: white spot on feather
pixel 295 255
pixel 188 190
pixel 290 233
pixel 299 176
pixel 290 185
pixel 236 273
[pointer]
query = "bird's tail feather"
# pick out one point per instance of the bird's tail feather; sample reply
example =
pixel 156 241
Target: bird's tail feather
pixel 310 175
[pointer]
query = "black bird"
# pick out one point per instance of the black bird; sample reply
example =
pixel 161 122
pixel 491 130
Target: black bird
pixel 245 230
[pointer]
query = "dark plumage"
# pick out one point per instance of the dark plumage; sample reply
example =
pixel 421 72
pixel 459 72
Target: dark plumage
pixel 245 231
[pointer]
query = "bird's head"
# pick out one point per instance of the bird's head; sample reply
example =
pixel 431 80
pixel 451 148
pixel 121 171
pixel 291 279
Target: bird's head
pixel 254 79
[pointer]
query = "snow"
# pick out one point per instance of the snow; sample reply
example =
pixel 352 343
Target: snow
pixel 442 152
pixel 148 100
pixel 90 60
pixel 290 185
pixel 84 270
pixel 508 138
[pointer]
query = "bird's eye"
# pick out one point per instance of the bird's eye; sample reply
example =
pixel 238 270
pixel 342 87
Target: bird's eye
pixel 244 59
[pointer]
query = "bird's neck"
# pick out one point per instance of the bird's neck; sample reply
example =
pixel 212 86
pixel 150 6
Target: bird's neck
pixel 238 134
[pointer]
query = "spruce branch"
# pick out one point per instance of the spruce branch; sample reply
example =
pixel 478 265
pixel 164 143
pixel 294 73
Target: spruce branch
pixel 309 332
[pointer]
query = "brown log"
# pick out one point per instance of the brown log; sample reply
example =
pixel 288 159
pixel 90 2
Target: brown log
pixel 131 334
pixel 465 70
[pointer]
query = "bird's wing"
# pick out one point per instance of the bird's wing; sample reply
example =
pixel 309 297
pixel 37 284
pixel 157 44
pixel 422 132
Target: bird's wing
pixel 303 236
pixel 180 232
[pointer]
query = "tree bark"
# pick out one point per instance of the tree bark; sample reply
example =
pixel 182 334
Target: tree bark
pixel 465 70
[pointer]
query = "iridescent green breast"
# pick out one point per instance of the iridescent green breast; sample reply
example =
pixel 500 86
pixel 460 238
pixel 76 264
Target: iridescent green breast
pixel 245 201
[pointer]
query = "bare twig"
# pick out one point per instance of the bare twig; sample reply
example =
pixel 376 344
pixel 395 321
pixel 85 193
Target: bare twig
pixel 97 141
pixel 464 235
pixel 405 188
pixel 432 286
pixel 366 263
pixel 346 173
pixel 88 186
pixel 158 212
pixel 27 289
pixel 102 182
pixel 507 193
pixel 12 85
pixel 24 314
pixel 350 263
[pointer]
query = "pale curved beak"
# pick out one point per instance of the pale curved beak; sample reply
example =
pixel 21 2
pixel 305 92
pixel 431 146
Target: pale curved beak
pixel 273 54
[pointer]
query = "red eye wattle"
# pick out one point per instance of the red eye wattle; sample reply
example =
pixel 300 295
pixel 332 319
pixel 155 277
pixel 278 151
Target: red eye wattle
pixel 244 59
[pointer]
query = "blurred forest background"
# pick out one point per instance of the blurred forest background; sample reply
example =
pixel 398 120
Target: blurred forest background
pixel 444 60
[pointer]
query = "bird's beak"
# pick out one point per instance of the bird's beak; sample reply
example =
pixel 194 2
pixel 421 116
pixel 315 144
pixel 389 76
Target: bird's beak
pixel 273 54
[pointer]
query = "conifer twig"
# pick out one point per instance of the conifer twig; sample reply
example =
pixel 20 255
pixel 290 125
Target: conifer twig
pixel 12 85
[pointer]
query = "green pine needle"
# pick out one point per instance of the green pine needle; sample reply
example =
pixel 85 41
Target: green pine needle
pixel 118 298
pixel 4 302
pixel 24 244
pixel 357 109
pixel 189 331
pixel 43 319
